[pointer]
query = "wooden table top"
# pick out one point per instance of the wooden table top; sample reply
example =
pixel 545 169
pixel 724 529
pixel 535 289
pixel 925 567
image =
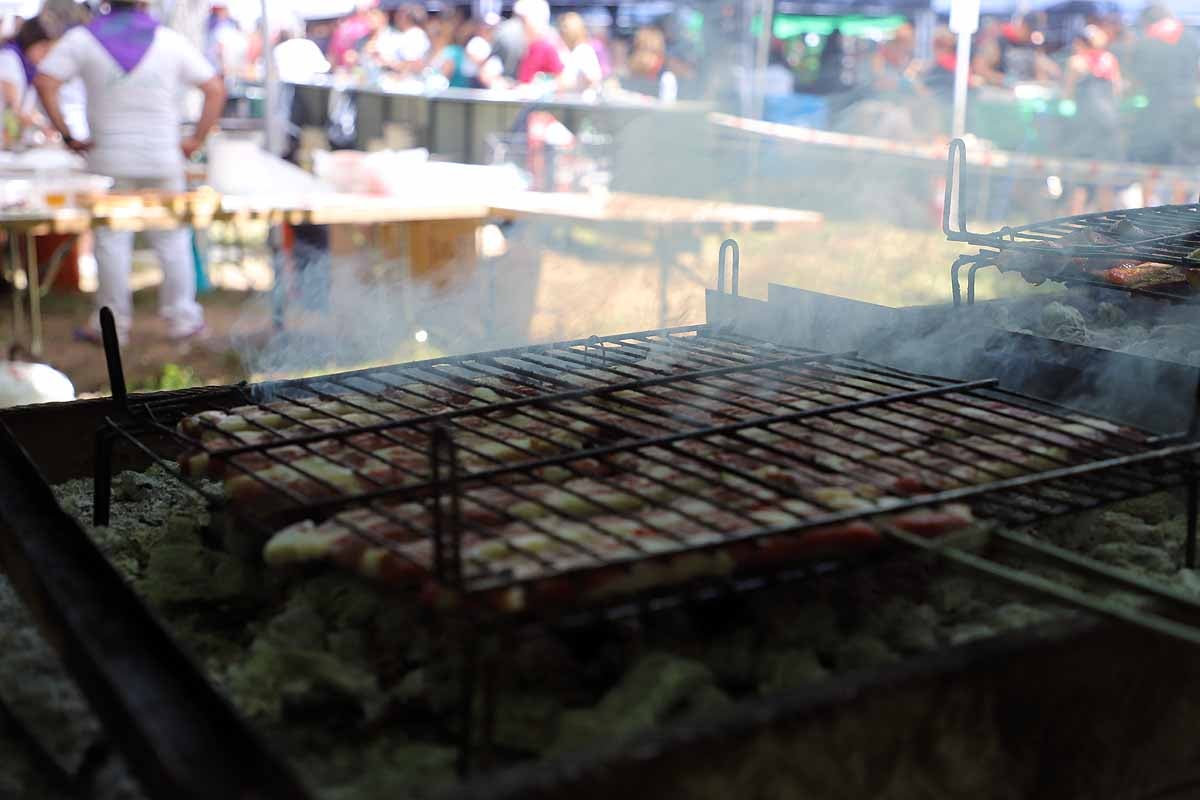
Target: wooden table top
pixel 651 209
pixel 125 213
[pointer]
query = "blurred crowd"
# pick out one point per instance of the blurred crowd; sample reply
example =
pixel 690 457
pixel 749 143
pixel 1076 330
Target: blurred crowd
pixel 572 52
pixel 1102 64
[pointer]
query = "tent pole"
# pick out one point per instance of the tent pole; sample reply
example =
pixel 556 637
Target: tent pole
pixel 962 69
pixel 270 84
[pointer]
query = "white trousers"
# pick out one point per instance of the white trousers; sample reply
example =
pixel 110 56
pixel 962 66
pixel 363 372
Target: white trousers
pixel 114 263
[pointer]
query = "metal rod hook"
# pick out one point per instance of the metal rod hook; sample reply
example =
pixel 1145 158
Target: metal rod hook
pixel 957 156
pixel 729 245
pixel 112 355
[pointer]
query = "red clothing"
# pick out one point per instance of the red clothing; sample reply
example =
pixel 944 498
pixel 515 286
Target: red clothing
pixel 1103 65
pixel 540 56
pixel 346 36
pixel 1166 30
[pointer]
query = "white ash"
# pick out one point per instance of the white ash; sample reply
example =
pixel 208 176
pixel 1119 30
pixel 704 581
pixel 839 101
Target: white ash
pixel 36 689
pixel 288 664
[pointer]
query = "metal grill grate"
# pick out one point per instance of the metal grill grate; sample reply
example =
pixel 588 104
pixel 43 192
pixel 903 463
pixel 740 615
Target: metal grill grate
pixel 594 467
pixel 1065 249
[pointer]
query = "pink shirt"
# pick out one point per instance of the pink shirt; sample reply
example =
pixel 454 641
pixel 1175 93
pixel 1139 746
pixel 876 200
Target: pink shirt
pixel 541 56
pixel 346 37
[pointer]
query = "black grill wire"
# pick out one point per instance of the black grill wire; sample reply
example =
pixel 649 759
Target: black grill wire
pixel 691 413
pixel 1168 235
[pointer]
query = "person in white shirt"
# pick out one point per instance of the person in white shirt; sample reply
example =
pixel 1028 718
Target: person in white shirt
pixel 412 42
pixel 59 16
pixel 19 58
pixel 135 72
pixel 581 67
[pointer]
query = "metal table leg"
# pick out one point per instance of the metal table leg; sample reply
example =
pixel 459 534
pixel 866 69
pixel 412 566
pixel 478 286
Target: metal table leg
pixel 56 261
pixel 35 295
pixel 14 260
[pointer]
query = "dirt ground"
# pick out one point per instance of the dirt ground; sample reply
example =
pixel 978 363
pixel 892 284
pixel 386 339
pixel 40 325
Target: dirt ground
pixel 549 286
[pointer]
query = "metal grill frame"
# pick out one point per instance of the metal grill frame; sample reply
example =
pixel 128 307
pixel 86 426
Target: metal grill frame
pixel 448 479
pixel 1175 229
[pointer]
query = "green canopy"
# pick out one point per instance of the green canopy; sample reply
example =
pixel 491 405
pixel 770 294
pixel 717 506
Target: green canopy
pixel 789 26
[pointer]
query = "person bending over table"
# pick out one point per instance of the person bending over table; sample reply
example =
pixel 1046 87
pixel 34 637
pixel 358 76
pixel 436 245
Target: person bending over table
pixel 19 58
pixel 135 72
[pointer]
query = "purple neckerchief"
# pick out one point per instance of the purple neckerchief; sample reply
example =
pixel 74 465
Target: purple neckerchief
pixel 30 69
pixel 126 34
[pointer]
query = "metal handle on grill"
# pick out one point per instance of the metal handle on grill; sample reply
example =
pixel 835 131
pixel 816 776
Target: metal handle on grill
pixel 957 156
pixel 731 246
pixel 112 354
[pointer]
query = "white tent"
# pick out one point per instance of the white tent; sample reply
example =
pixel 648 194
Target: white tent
pixel 1184 9
pixel 249 12
pixel 20 8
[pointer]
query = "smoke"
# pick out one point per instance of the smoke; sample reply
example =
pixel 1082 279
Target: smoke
pixel 1114 356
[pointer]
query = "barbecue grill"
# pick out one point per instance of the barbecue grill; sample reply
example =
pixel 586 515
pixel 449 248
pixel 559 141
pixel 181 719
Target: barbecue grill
pixel 1167 235
pixel 741 407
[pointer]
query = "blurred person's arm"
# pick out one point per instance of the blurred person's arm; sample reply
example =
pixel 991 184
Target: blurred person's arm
pixel 214 104
pixel 61 64
pixel 986 64
pixel 881 78
pixel 1076 68
pixel 1045 69
pixel 196 71
pixel 491 74
pixel 48 88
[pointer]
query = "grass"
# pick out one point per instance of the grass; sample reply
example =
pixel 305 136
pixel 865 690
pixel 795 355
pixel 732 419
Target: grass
pixel 172 377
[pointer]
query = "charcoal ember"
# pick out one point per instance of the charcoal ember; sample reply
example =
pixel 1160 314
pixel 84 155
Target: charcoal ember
pixel 1153 509
pixel 732 658
pixel 297 624
pixel 907 626
pixel 707 700
pixel 969 632
pixel 1189 581
pixel 327 703
pixel 1088 531
pixel 1140 557
pixel 341 600
pixel 1012 616
pixel 543 662
pixel 862 651
pixel 1063 322
pixel 813 624
pixel 659 687
pixel 389 766
pixel 1068 333
pixel 1110 315
pixel 526 721
pixel 1126 598
pixel 36 690
pixel 274 678
pixel 132 486
pixel 191 573
pixel 1103 340
pixel 955 596
pixel 783 670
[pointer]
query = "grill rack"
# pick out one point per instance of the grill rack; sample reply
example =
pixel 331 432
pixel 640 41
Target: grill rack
pixel 1128 464
pixel 1083 474
pixel 1175 237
